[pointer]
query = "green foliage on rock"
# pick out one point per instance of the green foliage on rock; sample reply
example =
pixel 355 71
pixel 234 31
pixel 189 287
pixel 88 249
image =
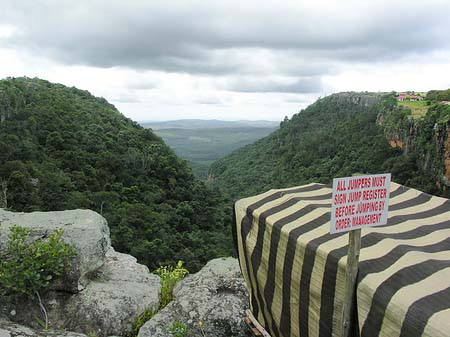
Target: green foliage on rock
pixel 62 148
pixel 29 267
pixel 178 329
pixel 170 276
pixel 145 316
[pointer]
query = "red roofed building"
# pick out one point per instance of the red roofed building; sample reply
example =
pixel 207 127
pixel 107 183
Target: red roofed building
pixel 408 97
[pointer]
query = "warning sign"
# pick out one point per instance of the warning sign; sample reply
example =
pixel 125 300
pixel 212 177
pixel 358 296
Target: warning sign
pixel 360 201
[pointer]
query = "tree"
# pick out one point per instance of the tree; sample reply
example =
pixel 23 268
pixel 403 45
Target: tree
pixel 3 193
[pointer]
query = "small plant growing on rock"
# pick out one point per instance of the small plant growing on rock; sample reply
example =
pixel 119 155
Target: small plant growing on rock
pixel 28 268
pixel 178 329
pixel 141 319
pixel 169 277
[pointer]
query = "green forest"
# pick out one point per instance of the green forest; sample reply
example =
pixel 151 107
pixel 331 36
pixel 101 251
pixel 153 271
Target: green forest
pixel 337 136
pixel 62 148
pixel 202 146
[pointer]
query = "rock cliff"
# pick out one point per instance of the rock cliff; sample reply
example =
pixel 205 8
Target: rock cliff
pixel 425 140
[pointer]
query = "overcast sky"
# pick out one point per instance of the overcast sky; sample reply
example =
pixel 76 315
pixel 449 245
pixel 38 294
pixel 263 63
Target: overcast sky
pixel 247 59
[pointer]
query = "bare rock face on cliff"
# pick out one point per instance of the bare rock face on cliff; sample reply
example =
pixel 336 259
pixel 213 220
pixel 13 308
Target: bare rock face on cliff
pixel 215 296
pixel 103 293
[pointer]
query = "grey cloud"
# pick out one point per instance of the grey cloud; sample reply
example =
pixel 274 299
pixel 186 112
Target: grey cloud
pixel 299 99
pixel 217 37
pixel 142 84
pixel 299 86
pixel 127 99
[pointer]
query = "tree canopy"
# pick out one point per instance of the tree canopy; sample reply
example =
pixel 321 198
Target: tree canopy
pixel 62 148
pixel 337 136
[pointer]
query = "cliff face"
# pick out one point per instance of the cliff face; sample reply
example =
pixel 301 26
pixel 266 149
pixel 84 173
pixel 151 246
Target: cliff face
pixel 442 139
pixel 426 140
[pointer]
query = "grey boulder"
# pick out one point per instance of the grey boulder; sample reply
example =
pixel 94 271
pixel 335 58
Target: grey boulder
pixel 9 329
pixel 118 292
pixel 86 230
pixel 110 304
pixel 103 293
pixel 215 296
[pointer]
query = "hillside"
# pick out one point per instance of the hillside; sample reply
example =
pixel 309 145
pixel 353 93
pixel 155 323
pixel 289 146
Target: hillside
pixel 337 136
pixel 62 148
pixel 200 147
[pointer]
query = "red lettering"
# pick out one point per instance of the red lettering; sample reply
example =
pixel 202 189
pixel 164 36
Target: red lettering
pixel 345 211
pixel 342 223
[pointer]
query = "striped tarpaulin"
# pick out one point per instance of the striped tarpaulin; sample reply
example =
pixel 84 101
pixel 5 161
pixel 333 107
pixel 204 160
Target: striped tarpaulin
pixel 295 269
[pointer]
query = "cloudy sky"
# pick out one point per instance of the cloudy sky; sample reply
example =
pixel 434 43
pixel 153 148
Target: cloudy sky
pixel 226 59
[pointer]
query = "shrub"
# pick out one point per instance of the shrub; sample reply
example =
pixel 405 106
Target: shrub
pixel 141 319
pixel 178 329
pixel 169 277
pixel 28 268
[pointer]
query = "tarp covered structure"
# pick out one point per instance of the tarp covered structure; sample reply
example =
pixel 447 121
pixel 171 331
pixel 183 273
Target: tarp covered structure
pixel 295 269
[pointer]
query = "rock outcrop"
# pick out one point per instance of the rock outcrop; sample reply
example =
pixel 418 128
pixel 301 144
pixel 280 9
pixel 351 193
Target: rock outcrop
pixel 215 296
pixel 104 292
pixel 86 230
pixel 111 302
pixel 10 329
pixel 425 139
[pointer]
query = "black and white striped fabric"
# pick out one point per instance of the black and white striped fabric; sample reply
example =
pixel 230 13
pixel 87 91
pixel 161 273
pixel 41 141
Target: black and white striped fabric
pixel 295 269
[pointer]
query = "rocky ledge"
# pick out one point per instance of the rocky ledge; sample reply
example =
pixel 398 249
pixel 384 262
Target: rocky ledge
pixel 105 291
pixel 216 296
pixel 102 294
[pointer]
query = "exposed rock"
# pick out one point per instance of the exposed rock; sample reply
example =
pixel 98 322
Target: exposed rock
pixel 9 329
pixel 216 296
pixel 86 230
pixel 115 288
pixel 366 99
pixel 112 301
pixel 109 304
pixel 442 139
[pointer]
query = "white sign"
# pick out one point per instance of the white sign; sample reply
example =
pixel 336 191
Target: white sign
pixel 359 201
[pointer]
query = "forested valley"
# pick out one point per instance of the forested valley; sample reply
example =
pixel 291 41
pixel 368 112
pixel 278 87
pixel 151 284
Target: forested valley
pixel 62 148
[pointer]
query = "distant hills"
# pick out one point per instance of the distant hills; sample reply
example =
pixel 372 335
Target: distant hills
pixel 209 124
pixel 201 142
